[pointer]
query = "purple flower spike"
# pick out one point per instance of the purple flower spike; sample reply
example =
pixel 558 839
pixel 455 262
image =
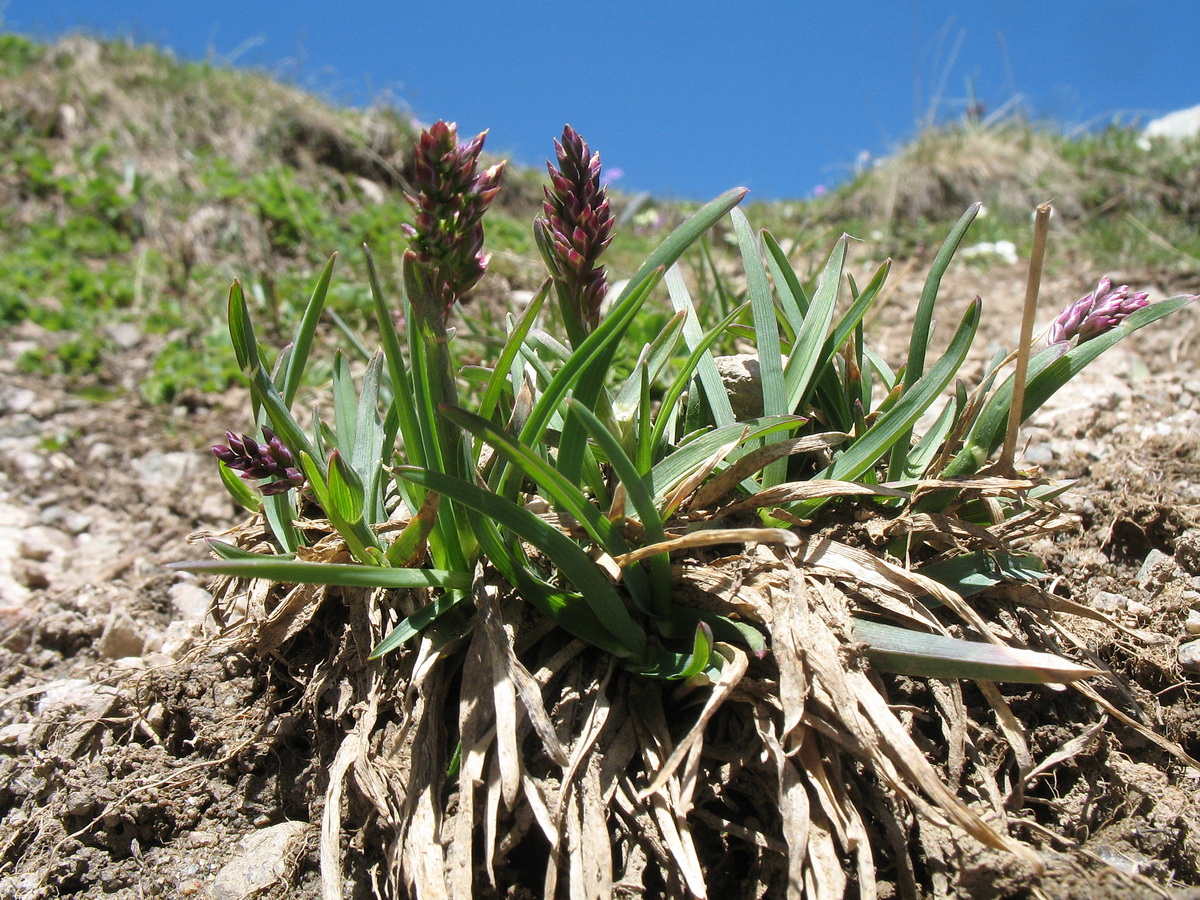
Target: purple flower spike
pixel 577 226
pixel 1098 312
pixel 450 198
pixel 257 461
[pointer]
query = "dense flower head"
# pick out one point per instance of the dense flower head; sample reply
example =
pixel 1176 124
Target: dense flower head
pixel 577 223
pixel 450 197
pixel 1098 312
pixel 257 460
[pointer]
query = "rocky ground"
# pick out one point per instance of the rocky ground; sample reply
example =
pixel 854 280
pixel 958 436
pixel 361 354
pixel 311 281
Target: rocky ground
pixel 134 763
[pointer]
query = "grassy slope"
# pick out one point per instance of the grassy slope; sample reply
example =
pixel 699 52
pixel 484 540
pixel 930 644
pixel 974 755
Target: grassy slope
pixel 134 187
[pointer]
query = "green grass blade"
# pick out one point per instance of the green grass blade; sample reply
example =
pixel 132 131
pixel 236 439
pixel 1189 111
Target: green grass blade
pixel 335 500
pixel 925 449
pixel 680 666
pixel 641 498
pixel 292 571
pixel 229 551
pixel 410 627
pixel 565 608
pixel 345 404
pixel 699 353
pixel 366 455
pixel 706 368
pixel 402 397
pixel 897 422
pixel 241 329
pixel 570 559
pixel 591 357
pixel 923 316
pixel 766 326
pixel 503 366
pixel 906 652
pixel 787 285
pixel 651 363
pixel 970 573
pixel 806 352
pixel 880 367
pixel 923 322
pixel 408 547
pixel 302 342
pixel 244 495
pixel 682 462
pixel 855 314
pixel 644 455
pixel 281 516
pixel 684 236
pixel 563 493
pixel 684 620
pixel 346 492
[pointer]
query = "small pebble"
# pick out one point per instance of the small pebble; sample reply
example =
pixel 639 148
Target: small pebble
pixel 19 400
pixel 1189 656
pixel 1108 602
pixel 15 737
pixel 41 542
pixel 1187 552
pixel 189 600
pixel 122 637
pixel 1138 609
pixel 80 804
pixel 1193 621
pixel 1040 454
pixel 100 452
pixel 1156 569
pixel 31 575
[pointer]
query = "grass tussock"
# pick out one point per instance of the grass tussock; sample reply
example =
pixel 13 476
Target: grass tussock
pixel 944 170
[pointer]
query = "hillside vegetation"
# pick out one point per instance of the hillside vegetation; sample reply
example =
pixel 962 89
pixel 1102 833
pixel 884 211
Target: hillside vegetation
pixel 135 187
pixel 503 619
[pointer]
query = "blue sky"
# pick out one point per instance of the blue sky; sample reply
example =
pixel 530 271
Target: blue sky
pixel 689 98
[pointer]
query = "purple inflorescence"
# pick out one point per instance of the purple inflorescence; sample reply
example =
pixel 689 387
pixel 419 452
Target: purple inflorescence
pixel 1098 312
pixel 257 461
pixel 577 224
pixel 450 198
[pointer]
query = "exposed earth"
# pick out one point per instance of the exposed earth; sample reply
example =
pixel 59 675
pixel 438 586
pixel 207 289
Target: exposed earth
pixel 137 761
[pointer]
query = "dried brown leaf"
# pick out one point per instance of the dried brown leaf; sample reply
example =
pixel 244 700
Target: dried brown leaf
pixel 757 459
pixel 793 491
pixel 709 537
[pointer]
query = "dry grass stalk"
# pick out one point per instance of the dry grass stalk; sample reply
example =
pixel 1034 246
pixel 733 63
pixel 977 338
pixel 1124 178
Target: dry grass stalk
pixel 620 781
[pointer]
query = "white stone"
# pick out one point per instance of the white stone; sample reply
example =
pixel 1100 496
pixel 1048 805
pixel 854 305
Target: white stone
pixel 122 637
pixel 1108 602
pixel 1189 656
pixel 267 857
pixel 165 469
pixel 125 335
pixel 1138 609
pixel 190 601
pixel 178 638
pixel 76 693
pixel 1192 625
pixel 41 542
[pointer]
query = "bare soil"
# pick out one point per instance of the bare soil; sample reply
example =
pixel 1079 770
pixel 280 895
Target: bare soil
pixel 138 758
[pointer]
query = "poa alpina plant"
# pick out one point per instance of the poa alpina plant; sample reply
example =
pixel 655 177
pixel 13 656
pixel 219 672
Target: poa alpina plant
pixel 611 610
